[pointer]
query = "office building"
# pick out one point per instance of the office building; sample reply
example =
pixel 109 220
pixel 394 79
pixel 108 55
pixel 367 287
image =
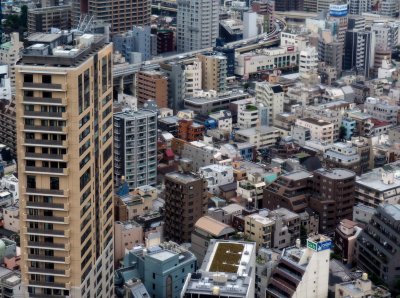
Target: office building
pixel 260 137
pixel 185 203
pixel 162 268
pixel 335 202
pixel 358 7
pixel 66 177
pixel 346 234
pixel 271 97
pixel 135 41
pixel 320 130
pixel 44 19
pixel 289 5
pixel 213 69
pixel 121 15
pixel 165 41
pixel 135 148
pixel 358 52
pixel 378 245
pixel 206 229
pixel 250 24
pixel 228 270
pixel 195 33
pixel 308 63
pixel 152 85
pixel 338 15
pixel 175 72
pixel 302 271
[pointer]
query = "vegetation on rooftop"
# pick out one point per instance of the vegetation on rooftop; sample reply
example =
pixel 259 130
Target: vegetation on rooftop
pixel 227 258
pixel 251 108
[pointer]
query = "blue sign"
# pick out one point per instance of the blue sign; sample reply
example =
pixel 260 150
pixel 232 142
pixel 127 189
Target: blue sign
pixel 336 10
pixel 319 246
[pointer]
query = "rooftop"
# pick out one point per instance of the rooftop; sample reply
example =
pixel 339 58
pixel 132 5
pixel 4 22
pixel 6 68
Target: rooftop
pixel 336 173
pixel 315 121
pixel 213 226
pixel 298 175
pixel 254 130
pixel 373 180
pixel 183 177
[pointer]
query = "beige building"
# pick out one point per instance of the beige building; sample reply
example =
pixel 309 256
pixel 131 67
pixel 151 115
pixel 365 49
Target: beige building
pixel 137 203
pixel 128 234
pixel 360 288
pixel 214 66
pixel 260 137
pixel 43 19
pixel 11 219
pixel 193 77
pixel 320 130
pixel 152 85
pixel 65 149
pixel 259 229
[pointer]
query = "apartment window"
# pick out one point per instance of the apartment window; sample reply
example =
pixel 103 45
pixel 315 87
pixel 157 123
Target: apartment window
pixel 30 182
pixel 46 79
pixel 28 78
pixel 54 183
pixel 85 178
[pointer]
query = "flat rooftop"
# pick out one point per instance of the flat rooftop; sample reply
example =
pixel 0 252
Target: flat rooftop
pixel 316 121
pixel 253 130
pixel 373 180
pixel 183 177
pixel 336 173
pixel 298 175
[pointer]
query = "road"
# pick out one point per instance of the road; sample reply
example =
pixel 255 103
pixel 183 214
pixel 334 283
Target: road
pixel 121 70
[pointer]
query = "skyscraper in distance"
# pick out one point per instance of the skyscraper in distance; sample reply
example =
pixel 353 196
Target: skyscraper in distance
pixel 65 169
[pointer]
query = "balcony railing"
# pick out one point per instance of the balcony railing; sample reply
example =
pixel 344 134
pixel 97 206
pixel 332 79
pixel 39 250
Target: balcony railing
pixel 45 284
pixel 49 206
pixel 30 99
pixel 39 191
pixel 31 85
pixel 40 170
pixel 47 115
pixel 44 142
pixel 51 129
pixel 47 232
pixel 48 259
pixel 47 245
pixel 52 219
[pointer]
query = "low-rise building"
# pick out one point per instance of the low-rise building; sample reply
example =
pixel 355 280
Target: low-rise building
pixel 259 228
pixel 251 189
pixel 127 235
pixel 319 129
pixel 260 137
pixel 228 270
pixel 360 288
pixel 216 175
pixel 200 154
pixel 11 218
pixel 343 155
pixel 189 130
pixel 382 110
pixel 223 119
pixel 205 229
pixel 362 214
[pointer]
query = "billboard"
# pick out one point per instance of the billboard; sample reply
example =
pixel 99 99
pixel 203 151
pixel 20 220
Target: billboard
pixel 319 246
pixel 338 10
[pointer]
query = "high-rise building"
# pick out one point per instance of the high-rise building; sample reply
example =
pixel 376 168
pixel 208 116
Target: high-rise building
pixel 330 51
pixel 308 63
pixel 271 97
pixel 287 5
pixel 185 203
pixel 310 5
pixel 122 15
pixel 338 14
pixel 332 196
pixel 358 7
pixel 197 24
pixel 214 69
pixel 43 19
pixel 358 51
pixel 378 248
pixel 65 149
pixel 10 53
pixel 152 85
pixel 135 148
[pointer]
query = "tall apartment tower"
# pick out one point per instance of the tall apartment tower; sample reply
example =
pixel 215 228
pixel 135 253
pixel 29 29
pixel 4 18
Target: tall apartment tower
pixel 185 203
pixel 197 24
pixel 135 147
pixel 358 52
pixel 122 15
pixel 65 149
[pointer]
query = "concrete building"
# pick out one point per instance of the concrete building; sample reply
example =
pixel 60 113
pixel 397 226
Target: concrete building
pixel 175 72
pixel 259 228
pixel 10 53
pixel 223 119
pixel 338 15
pixel 209 102
pixel 307 269
pixel 378 244
pixel 216 175
pixel 267 60
pixel 289 191
pixel 335 202
pixel 127 235
pixel 330 51
pixel 343 155
pixel 162 268
pixel 357 52
pixel 190 131
pixel 251 189
pixel 358 7
pixel 378 186
pixel 320 130
pixel 382 110
pixel 308 63
pixel 152 85
pixel 200 32
pixel 271 97
pixel 250 25
pixel 121 15
pixel 206 229
pixel 248 116
pixel 136 40
pixel 199 154
pixel 8 125
pixel 189 192
pixel 346 234
pixel 45 18
pixel 361 287
pixel 67 143
pixel 213 69
pixel 11 219
pixel 135 203
pixel 165 41
pixel 193 77
pixel 260 137
pixel 228 270
pixel 135 148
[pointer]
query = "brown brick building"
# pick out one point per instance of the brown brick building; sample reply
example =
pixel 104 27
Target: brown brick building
pixel 152 85
pixel 190 131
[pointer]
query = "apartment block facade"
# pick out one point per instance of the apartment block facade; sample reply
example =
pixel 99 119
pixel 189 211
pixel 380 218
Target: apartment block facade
pixel 152 85
pixel 65 149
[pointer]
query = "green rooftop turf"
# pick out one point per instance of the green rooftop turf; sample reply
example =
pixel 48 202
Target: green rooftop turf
pixel 227 257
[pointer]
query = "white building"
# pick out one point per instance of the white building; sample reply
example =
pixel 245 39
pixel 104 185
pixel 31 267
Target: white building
pixel 10 53
pixel 260 137
pixel 197 24
pixel 266 60
pixel 343 153
pixel 216 175
pixel 251 189
pixel 224 119
pixel 5 83
pixel 247 116
pixel 271 97
pixel 298 40
pixel 381 110
pixel 249 25
pixel 360 288
pixel 193 77
pixel 308 63
pixel 319 129
pixel 307 268
pixel 11 218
